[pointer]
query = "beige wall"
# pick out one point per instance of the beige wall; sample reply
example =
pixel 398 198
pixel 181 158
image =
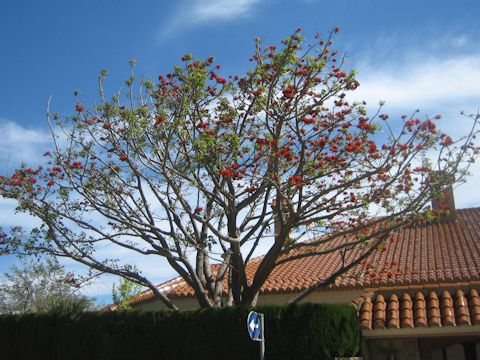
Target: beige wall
pixel 324 297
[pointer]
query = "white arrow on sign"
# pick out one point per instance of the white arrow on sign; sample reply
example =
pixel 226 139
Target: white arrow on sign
pixel 254 326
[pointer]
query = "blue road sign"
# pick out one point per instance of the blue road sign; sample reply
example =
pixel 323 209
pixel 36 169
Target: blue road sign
pixel 254 326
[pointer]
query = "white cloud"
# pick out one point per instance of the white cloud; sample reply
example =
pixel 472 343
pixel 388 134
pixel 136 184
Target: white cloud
pixel 210 10
pixel 8 217
pixel 21 144
pixel 154 268
pixel 198 12
pixel 434 85
pixel 422 82
pixel 459 41
pixel 467 195
pixel 25 144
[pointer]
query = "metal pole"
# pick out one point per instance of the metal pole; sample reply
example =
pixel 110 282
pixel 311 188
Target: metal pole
pixel 262 342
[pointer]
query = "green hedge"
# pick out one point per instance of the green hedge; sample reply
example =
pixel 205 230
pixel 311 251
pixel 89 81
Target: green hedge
pixel 304 331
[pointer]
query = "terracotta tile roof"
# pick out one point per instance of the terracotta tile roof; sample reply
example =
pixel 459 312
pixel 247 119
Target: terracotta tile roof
pixel 424 254
pixel 420 310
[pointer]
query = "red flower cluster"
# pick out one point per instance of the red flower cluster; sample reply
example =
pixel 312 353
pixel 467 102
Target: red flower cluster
pixel 354 146
pixel 231 172
pixel 159 119
pixel 296 180
pixel 309 120
pixel 75 165
pixel 56 171
pixel 226 172
pixel 363 124
pixel 284 153
pixel 447 141
pixel 289 92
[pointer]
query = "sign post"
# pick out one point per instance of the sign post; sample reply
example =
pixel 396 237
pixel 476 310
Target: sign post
pixel 256 330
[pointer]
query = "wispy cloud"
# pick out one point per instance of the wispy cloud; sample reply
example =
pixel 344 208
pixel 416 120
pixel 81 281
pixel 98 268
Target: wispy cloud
pixel 198 12
pixel 459 41
pixel 436 83
pixel 422 82
pixel 21 144
pixel 211 10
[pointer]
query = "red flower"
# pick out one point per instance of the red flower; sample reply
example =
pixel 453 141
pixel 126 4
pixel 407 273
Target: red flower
pixel 107 125
pixel 50 182
pixel 79 107
pixel 364 125
pixel 261 141
pixel 123 157
pixel 447 141
pixel 75 165
pixel 220 80
pixel 159 119
pixel 296 180
pixel 198 210
pixel 289 92
pixel 308 120
pixel 302 71
pixel 226 172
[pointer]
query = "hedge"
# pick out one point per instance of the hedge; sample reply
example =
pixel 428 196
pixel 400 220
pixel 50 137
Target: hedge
pixel 303 331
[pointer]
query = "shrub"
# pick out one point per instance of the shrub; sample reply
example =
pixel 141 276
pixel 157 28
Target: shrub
pixel 300 331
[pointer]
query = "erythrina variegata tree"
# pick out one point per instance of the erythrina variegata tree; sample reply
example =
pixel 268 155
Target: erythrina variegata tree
pixel 200 169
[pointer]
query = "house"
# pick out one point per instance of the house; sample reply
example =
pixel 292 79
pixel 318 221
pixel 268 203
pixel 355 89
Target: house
pixel 420 299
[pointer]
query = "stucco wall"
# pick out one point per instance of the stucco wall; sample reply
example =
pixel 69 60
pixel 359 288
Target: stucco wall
pixel 324 297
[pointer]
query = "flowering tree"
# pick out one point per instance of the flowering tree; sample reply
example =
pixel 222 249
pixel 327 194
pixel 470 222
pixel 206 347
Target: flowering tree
pixel 197 168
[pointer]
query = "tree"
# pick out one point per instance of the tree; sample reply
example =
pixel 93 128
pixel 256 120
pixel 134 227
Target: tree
pixel 41 287
pixel 199 169
pixel 125 291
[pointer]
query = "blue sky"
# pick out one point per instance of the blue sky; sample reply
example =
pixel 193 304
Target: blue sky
pixel 413 54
